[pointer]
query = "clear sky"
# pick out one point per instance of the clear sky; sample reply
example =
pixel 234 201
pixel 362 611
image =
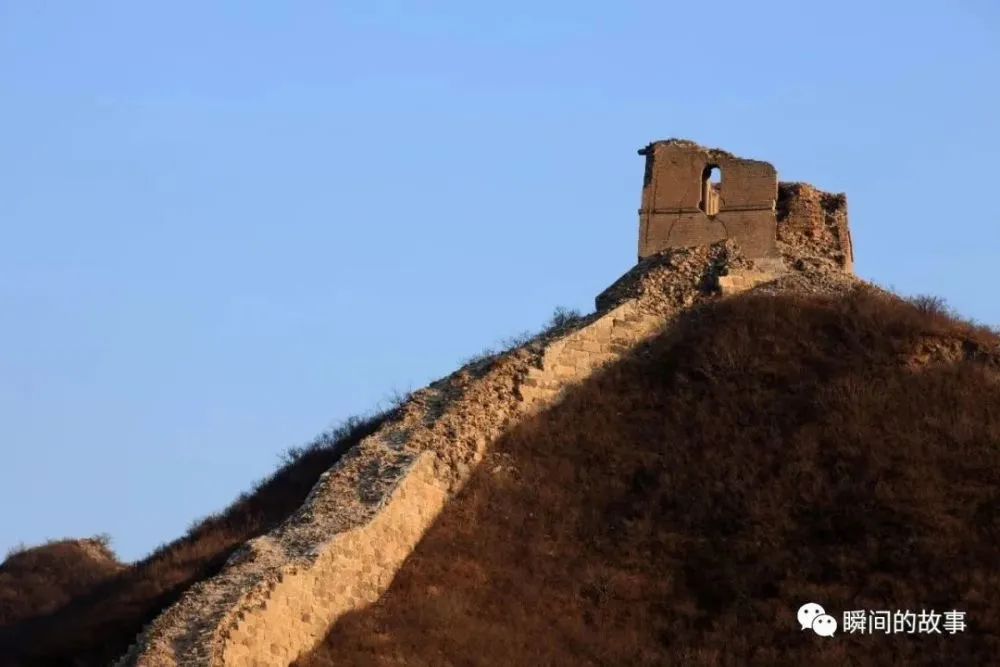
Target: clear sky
pixel 225 226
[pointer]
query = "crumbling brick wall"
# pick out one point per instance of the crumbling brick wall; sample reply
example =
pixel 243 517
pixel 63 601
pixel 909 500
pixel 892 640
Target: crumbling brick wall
pixel 682 208
pixel 815 223
pixel 576 355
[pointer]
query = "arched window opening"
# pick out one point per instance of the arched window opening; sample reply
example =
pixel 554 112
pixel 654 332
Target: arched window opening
pixel 711 184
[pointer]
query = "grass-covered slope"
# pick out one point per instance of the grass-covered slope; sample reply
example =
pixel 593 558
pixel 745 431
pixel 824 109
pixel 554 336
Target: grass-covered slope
pixel 678 508
pixel 767 451
pixel 39 580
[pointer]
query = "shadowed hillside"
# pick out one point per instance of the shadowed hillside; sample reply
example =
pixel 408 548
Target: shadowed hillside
pixel 678 508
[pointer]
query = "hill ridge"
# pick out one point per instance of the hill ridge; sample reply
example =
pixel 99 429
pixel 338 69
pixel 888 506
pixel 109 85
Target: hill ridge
pixel 270 599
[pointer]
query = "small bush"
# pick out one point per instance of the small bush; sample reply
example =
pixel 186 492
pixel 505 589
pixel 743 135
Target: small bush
pixel 931 305
pixel 563 318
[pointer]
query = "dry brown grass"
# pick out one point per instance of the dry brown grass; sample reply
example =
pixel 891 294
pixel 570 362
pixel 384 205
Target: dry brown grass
pixel 674 510
pixel 678 508
pixel 40 580
pixel 55 612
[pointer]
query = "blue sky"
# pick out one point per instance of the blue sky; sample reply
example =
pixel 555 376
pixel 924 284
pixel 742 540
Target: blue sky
pixel 225 226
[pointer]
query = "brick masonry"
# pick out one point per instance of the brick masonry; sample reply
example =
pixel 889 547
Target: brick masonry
pixel 682 208
pixel 815 221
pixel 578 354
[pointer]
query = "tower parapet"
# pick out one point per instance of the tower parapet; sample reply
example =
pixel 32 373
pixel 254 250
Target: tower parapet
pixel 695 196
pixel 682 205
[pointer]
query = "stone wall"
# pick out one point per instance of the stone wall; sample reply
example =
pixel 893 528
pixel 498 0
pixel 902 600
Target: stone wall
pixel 350 572
pixel 279 594
pixel 743 280
pixel 815 223
pixel 577 355
pixel 677 199
pixel 749 205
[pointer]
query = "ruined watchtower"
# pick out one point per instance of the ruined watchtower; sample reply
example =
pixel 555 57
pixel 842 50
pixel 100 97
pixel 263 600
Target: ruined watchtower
pixel 683 205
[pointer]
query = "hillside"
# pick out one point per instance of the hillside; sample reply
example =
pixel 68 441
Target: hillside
pixel 679 507
pixel 730 434
pixel 37 581
pixel 782 445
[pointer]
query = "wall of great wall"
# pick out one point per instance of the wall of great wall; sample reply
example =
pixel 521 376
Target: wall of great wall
pixel 279 594
pixel 814 223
